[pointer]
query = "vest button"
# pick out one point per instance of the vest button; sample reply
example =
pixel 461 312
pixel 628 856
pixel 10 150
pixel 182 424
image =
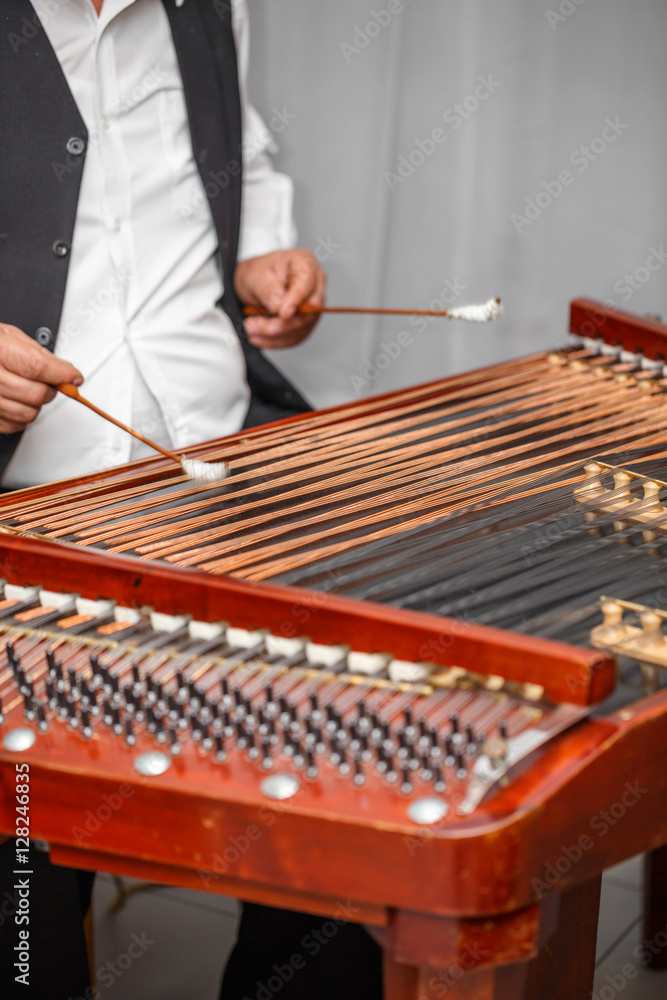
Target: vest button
pixel 75 146
pixel 44 336
pixel 60 248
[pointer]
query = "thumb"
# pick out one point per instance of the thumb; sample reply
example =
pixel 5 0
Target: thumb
pixel 58 370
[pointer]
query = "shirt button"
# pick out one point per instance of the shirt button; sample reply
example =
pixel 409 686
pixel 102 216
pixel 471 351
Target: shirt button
pixel 105 123
pixel 60 248
pixel 44 336
pixel 75 146
pixel 116 446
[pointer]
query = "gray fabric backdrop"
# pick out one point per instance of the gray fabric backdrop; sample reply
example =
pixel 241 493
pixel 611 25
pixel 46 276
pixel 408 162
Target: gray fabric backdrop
pixel 519 92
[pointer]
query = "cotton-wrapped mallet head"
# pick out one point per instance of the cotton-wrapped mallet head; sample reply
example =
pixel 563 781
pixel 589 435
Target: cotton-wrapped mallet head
pixel 204 472
pixel 200 472
pixel 478 314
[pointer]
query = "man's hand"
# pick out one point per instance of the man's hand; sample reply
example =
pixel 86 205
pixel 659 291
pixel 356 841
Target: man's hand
pixel 28 373
pixel 279 283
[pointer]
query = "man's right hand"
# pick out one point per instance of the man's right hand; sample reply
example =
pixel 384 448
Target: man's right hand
pixel 28 373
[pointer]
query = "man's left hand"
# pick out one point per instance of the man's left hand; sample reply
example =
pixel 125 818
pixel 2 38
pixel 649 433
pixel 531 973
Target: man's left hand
pixel 279 283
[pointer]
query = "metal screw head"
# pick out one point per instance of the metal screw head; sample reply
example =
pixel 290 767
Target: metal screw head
pixel 279 786
pixel 425 812
pixel 152 763
pixel 17 740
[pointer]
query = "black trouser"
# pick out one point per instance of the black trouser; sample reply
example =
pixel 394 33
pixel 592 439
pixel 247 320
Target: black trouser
pixel 278 954
pixel 59 899
pixel 282 955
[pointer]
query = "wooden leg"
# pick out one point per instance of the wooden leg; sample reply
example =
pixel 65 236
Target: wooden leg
pixel 562 970
pixel 565 966
pixel 410 982
pixel 401 982
pixel 88 930
pixel 655 908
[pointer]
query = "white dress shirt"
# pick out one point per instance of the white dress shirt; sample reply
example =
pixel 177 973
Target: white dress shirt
pixel 139 317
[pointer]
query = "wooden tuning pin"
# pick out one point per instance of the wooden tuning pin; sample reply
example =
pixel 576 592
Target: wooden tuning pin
pixel 590 489
pixel 652 638
pixel 651 628
pixel 651 508
pixel 622 497
pixel 612 630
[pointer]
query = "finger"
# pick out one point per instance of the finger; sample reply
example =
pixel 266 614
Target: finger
pixel 302 284
pixel 278 343
pixel 30 361
pixel 264 285
pixel 263 326
pixel 17 413
pixel 272 333
pixel 23 390
pixel 319 295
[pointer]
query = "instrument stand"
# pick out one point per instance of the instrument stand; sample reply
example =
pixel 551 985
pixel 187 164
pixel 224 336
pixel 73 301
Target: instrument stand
pixel 561 933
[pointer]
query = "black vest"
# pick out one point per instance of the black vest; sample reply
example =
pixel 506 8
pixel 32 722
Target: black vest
pixel 42 152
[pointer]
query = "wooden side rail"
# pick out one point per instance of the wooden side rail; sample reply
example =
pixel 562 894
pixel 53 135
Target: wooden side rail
pixel 617 328
pixel 567 673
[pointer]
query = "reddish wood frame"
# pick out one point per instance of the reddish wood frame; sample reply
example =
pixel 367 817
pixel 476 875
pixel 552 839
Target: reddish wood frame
pixel 517 884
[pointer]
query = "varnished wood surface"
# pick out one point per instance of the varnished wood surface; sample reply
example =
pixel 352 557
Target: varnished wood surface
pixel 616 327
pixel 565 966
pixel 567 673
pixel 334 838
